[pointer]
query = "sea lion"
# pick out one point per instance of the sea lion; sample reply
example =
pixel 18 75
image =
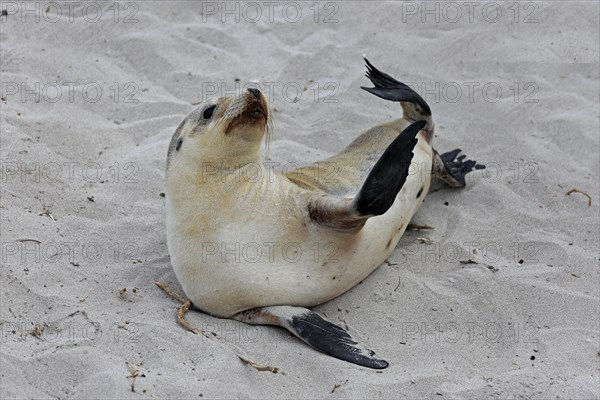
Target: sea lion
pixel 260 246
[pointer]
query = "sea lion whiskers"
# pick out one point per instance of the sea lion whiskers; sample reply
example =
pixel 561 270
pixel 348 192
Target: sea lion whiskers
pixel 268 136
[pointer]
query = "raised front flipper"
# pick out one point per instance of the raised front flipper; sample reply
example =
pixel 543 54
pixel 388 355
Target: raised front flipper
pixel 378 192
pixel 316 331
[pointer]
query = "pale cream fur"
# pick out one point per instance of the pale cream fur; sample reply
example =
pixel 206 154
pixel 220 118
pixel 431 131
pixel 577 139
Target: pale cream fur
pixel 223 206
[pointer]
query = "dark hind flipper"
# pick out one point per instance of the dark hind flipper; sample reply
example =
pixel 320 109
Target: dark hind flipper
pixel 452 169
pixel 377 193
pixel 414 107
pixel 390 89
pixel 316 331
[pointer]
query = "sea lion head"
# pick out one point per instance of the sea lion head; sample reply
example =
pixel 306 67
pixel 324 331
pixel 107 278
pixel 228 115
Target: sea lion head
pixel 227 131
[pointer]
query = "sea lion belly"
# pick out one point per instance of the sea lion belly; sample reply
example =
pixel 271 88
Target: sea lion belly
pixel 252 244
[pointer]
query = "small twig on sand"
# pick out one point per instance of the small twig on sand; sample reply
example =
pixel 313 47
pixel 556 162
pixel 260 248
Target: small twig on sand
pixel 37 331
pixel 133 373
pixel 257 366
pixel 574 190
pixel 412 227
pixel 398 285
pixel 46 213
pixel 29 240
pixel 170 292
pixel 488 266
pixel 184 308
pixel 338 385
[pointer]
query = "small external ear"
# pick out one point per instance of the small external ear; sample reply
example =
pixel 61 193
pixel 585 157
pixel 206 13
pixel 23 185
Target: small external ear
pixel 175 143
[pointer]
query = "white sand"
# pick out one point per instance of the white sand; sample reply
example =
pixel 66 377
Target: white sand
pixel 489 324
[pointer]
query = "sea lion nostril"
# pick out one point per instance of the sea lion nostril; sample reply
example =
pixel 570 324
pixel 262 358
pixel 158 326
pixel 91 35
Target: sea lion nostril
pixel 255 92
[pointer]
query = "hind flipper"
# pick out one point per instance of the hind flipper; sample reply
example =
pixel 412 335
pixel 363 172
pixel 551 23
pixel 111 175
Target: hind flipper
pixel 316 331
pixel 378 192
pixel 414 107
pixel 391 89
pixel 452 169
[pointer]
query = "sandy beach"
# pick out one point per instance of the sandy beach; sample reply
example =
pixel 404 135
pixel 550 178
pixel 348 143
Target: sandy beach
pixel 499 299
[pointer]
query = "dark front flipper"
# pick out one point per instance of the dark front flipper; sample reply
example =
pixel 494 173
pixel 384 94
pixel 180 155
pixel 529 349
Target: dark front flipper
pixel 452 169
pixel 378 192
pixel 316 331
pixel 389 174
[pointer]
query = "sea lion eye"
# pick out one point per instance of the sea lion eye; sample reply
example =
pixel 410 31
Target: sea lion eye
pixel 208 113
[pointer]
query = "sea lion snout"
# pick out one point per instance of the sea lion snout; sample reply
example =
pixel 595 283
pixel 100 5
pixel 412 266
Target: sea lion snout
pixel 257 110
pixel 255 92
pixel 249 108
pixel 258 107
